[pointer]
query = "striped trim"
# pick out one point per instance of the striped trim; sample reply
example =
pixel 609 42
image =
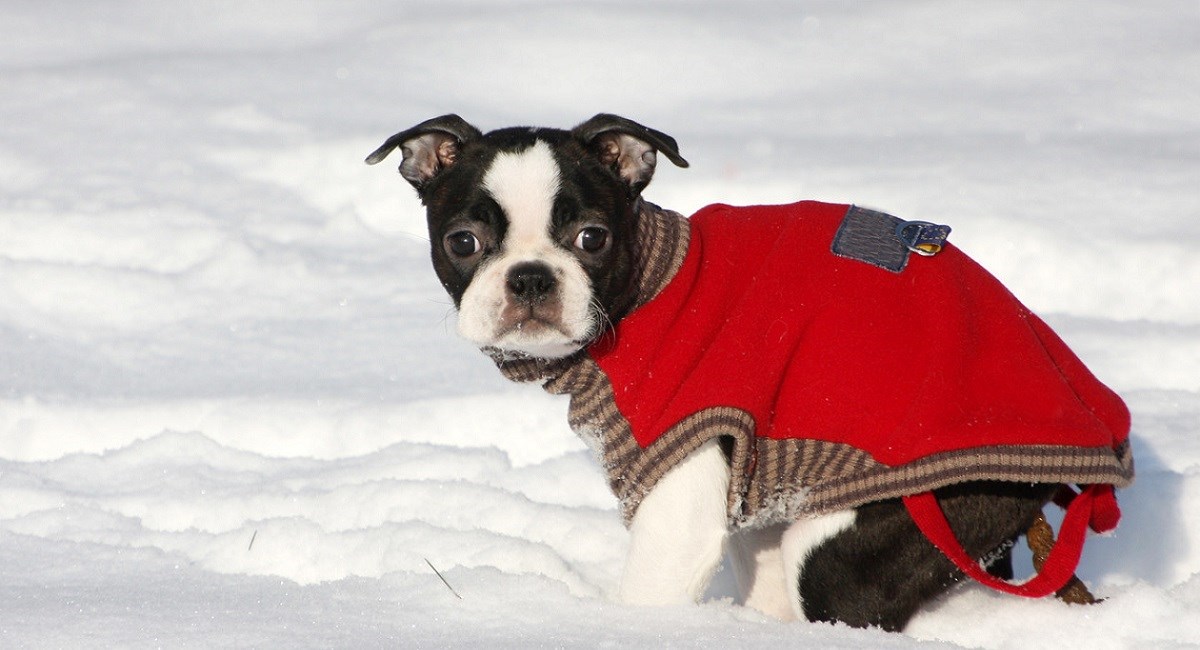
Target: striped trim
pixel 663 237
pixel 648 467
pixel 1027 463
pixel 779 488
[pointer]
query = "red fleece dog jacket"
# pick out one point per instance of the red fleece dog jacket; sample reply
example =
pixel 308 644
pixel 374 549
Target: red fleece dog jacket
pixel 844 370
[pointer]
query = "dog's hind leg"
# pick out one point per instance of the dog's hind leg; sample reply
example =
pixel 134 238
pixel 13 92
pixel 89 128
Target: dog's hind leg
pixel 677 536
pixel 881 570
pixel 799 542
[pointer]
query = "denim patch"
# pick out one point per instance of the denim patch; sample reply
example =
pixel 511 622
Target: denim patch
pixel 870 236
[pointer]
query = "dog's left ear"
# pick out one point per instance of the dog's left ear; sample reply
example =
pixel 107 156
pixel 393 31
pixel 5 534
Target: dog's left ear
pixel 428 147
pixel 627 147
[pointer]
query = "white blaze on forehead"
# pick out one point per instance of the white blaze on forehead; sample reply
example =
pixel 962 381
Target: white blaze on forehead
pixel 525 184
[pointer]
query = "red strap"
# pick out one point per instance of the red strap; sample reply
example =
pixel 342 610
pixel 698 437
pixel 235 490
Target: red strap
pixel 1106 514
pixel 1055 573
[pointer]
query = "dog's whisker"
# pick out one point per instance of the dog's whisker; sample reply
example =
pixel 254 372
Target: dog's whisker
pixel 601 315
pixel 445 319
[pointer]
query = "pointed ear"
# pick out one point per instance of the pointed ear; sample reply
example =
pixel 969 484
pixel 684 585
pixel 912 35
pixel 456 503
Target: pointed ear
pixel 428 147
pixel 628 148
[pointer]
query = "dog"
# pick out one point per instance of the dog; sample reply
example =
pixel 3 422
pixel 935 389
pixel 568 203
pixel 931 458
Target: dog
pixel 839 399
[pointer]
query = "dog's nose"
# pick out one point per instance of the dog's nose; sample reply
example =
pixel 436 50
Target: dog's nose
pixel 530 281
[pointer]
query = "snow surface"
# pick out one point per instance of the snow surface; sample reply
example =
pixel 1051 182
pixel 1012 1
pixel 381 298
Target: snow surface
pixel 233 412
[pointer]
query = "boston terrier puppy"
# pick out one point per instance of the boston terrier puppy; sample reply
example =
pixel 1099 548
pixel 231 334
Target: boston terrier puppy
pixel 841 400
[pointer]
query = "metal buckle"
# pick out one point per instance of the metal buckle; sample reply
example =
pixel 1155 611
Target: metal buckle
pixel 922 237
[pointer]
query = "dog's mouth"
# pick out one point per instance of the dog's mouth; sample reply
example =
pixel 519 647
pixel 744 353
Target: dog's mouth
pixel 533 318
pixel 532 325
pixel 538 330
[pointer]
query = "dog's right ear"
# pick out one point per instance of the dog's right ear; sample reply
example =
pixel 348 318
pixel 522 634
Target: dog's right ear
pixel 428 147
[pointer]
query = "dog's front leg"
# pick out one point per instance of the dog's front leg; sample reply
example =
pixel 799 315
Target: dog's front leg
pixel 677 537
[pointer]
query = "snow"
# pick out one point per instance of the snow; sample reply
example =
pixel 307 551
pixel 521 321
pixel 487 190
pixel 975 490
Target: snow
pixel 233 412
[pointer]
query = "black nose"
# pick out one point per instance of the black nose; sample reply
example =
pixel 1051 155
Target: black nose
pixel 530 281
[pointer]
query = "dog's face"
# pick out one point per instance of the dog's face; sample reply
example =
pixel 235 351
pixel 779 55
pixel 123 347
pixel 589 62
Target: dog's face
pixel 532 230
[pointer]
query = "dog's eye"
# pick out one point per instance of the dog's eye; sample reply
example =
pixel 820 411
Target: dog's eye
pixel 462 243
pixel 592 239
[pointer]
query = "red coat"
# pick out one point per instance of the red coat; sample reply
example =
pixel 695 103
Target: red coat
pixel 908 365
pixel 764 317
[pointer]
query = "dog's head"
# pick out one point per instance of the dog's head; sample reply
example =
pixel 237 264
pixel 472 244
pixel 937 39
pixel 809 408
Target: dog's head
pixel 532 229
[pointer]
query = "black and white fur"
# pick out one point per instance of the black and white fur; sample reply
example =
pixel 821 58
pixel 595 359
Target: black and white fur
pixel 532 236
